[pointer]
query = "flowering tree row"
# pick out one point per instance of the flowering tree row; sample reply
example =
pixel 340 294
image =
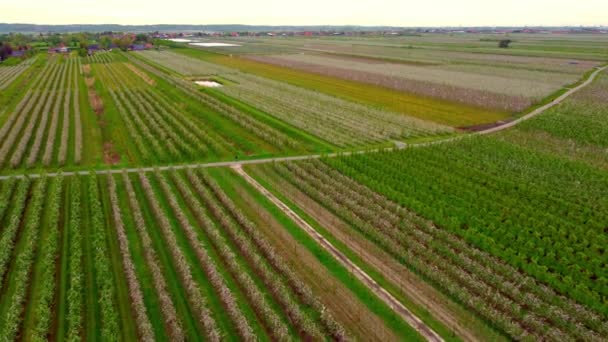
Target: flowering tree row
pixel 12 127
pixel 183 64
pixel 219 284
pixel 6 194
pixel 267 250
pixel 9 232
pixel 144 327
pixel 171 320
pixel 9 74
pixel 195 296
pixel 104 272
pixel 258 128
pixel 21 276
pixel 31 131
pixel 75 299
pixel 338 121
pixel 43 306
pixel 288 290
pixel 100 57
pixel 149 122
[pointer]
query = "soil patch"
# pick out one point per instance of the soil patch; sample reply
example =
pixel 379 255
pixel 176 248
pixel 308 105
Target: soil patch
pixel 110 156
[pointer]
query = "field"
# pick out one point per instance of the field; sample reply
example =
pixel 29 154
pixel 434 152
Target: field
pixel 339 122
pixel 329 188
pixel 430 109
pixel 46 127
pixel 492 88
pixel 574 130
pixel 168 247
pixel 9 73
pixel 458 72
pixel 519 223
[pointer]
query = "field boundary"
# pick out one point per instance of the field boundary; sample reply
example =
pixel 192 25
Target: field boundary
pixel 491 130
pixel 359 273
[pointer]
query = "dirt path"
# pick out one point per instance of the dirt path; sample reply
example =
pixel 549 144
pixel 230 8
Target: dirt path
pixel 399 146
pixel 384 295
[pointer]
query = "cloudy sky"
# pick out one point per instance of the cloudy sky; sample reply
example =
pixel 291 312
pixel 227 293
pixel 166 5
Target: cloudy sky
pixel 309 12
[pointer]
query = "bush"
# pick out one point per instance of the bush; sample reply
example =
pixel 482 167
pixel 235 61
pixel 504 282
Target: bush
pixel 504 43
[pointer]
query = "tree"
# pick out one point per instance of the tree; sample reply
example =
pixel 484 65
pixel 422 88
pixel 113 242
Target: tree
pixel 157 43
pixel 54 39
pixel 105 42
pixel 124 42
pixel 5 51
pixel 504 43
pixel 142 37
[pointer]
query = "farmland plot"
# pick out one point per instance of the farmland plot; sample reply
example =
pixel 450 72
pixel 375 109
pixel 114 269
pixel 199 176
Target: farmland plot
pixel 575 129
pixel 166 119
pixel 9 73
pixel 403 50
pixel 509 92
pixel 440 111
pixel 100 57
pixel 515 303
pixel 170 248
pixel 186 66
pixel 338 121
pixel 538 213
pixel 154 126
pixel 271 133
pixel 38 130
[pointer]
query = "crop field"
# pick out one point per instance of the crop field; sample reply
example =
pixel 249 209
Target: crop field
pixel 511 91
pixel 45 127
pixel 450 113
pixel 122 109
pixel 458 71
pixel 505 235
pixel 575 129
pixel 339 122
pixel 9 73
pixel 183 64
pixel 412 188
pixel 542 51
pixel 159 256
pixel 518 217
pixel 259 127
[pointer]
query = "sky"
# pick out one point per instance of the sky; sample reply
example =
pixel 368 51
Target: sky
pixel 406 13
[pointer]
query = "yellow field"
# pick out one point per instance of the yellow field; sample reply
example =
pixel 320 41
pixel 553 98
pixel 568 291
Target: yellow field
pixel 444 112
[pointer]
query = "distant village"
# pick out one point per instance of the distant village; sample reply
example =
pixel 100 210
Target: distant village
pixel 93 48
pixel 23 45
pixel 404 32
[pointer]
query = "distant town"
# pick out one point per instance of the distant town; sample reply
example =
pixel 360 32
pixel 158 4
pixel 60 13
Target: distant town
pixel 172 31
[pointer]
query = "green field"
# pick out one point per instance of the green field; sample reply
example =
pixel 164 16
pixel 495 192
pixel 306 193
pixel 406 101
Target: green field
pixel 522 206
pixel 326 188
pixel 425 108
pixel 167 247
